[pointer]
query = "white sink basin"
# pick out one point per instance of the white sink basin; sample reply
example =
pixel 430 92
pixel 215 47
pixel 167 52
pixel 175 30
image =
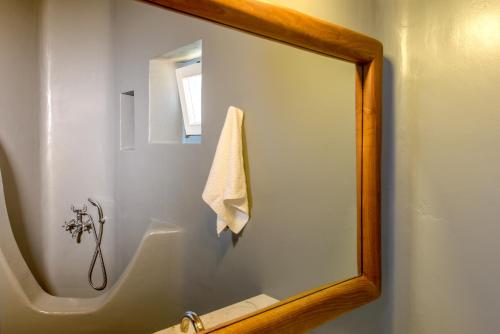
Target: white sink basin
pixel 228 313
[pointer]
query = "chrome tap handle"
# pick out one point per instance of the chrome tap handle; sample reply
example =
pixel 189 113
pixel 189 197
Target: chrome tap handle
pixel 82 210
pixel 69 225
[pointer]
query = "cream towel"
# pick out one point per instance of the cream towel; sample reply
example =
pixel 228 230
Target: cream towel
pixel 226 188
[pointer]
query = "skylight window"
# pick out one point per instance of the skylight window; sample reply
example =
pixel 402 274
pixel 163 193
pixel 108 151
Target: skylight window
pixel 189 86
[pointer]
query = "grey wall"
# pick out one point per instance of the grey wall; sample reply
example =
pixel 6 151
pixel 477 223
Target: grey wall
pixel 441 147
pixel 19 126
pixel 300 141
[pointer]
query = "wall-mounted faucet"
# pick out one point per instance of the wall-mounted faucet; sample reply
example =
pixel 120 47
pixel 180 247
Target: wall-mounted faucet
pixel 77 226
pixel 83 222
pixel 191 318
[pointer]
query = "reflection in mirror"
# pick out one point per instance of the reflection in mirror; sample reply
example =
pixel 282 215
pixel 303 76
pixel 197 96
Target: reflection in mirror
pixel 299 152
pixel 136 97
pixel 175 96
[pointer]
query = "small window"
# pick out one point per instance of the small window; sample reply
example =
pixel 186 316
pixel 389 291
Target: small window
pixel 189 86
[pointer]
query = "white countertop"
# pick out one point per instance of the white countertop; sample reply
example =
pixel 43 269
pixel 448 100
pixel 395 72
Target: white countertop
pixel 227 313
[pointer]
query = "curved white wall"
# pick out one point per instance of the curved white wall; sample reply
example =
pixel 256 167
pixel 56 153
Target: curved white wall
pixel 76 136
pixel 19 126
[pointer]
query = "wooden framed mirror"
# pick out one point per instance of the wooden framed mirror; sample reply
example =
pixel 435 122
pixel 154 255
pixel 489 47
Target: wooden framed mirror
pixel 311 308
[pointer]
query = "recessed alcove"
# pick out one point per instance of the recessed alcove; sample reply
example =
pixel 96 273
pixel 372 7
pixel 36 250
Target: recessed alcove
pixel 175 80
pixel 127 121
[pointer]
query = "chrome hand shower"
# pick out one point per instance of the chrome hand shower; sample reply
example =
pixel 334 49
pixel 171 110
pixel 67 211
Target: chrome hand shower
pixel 97 251
pixel 77 226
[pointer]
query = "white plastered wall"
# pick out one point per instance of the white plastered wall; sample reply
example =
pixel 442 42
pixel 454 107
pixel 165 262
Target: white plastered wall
pixel 19 127
pixel 76 136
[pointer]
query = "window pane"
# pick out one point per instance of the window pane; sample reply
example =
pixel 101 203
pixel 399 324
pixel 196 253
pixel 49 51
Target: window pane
pixel 192 92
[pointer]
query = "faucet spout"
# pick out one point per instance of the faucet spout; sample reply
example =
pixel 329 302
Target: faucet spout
pixel 193 318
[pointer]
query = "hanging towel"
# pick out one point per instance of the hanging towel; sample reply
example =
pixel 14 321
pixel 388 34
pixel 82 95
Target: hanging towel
pixel 226 188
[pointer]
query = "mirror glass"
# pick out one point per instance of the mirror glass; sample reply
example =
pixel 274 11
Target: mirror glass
pixel 142 93
pixel 299 151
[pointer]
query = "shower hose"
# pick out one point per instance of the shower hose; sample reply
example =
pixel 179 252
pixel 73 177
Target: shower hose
pixel 97 250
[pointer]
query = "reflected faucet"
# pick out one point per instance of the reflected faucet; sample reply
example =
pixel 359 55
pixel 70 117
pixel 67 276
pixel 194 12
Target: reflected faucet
pixel 193 318
pixel 77 226
pixel 85 223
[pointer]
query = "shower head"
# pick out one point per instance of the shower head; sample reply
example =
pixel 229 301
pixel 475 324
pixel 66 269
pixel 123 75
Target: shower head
pixel 99 210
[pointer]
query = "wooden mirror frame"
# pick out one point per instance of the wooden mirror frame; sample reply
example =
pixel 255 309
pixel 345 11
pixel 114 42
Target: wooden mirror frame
pixel 309 309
